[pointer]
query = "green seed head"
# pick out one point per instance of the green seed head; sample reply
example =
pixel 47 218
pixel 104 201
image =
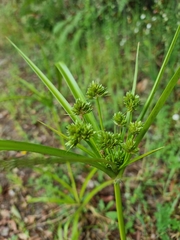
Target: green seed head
pixel 131 102
pixel 119 119
pixel 135 127
pixel 129 146
pixel 96 90
pixel 79 131
pixel 81 108
pixel 108 140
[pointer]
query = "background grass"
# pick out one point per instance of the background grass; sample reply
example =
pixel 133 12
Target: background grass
pixel 97 40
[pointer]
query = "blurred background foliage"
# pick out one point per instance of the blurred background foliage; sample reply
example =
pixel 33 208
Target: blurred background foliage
pixel 97 39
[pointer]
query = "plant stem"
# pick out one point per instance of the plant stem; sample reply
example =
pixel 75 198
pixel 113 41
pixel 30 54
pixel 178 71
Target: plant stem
pixel 76 196
pixel 136 71
pixel 119 210
pixel 100 114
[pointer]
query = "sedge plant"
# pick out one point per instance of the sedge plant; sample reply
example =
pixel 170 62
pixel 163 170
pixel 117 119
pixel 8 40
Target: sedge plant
pixel 108 151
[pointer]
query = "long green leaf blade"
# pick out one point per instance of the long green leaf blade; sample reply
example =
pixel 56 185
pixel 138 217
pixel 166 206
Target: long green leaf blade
pixel 31 147
pixel 76 91
pixel 85 183
pixel 54 130
pixel 63 156
pixel 135 71
pixel 7 165
pixel 72 84
pixel 51 200
pixel 158 105
pixel 141 156
pixel 93 193
pixel 59 180
pixel 48 84
pixel 149 100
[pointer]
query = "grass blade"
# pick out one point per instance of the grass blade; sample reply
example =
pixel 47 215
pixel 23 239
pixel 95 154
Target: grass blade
pixel 51 200
pixel 93 193
pixel 85 183
pixel 63 156
pixel 48 84
pixel 158 105
pixel 56 178
pixel 96 190
pixel 70 81
pixel 146 106
pixel 140 157
pixel 73 183
pixel 54 130
pixel 39 96
pixel 76 91
pixel 31 147
pixel 136 71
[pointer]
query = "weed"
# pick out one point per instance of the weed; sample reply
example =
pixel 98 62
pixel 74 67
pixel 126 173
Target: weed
pixel 165 222
pixel 107 151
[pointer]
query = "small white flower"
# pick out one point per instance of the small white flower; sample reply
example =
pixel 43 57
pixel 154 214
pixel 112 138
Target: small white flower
pixel 143 16
pixel 136 30
pixel 148 26
pixel 122 42
pixel 175 117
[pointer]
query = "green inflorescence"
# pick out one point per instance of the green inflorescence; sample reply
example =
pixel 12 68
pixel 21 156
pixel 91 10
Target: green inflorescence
pixel 112 146
pixel 131 101
pixel 81 108
pixel 119 119
pixel 96 90
pixel 79 131
pixel 135 127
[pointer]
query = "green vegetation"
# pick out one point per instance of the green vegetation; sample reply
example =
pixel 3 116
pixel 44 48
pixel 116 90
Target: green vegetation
pixel 93 47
